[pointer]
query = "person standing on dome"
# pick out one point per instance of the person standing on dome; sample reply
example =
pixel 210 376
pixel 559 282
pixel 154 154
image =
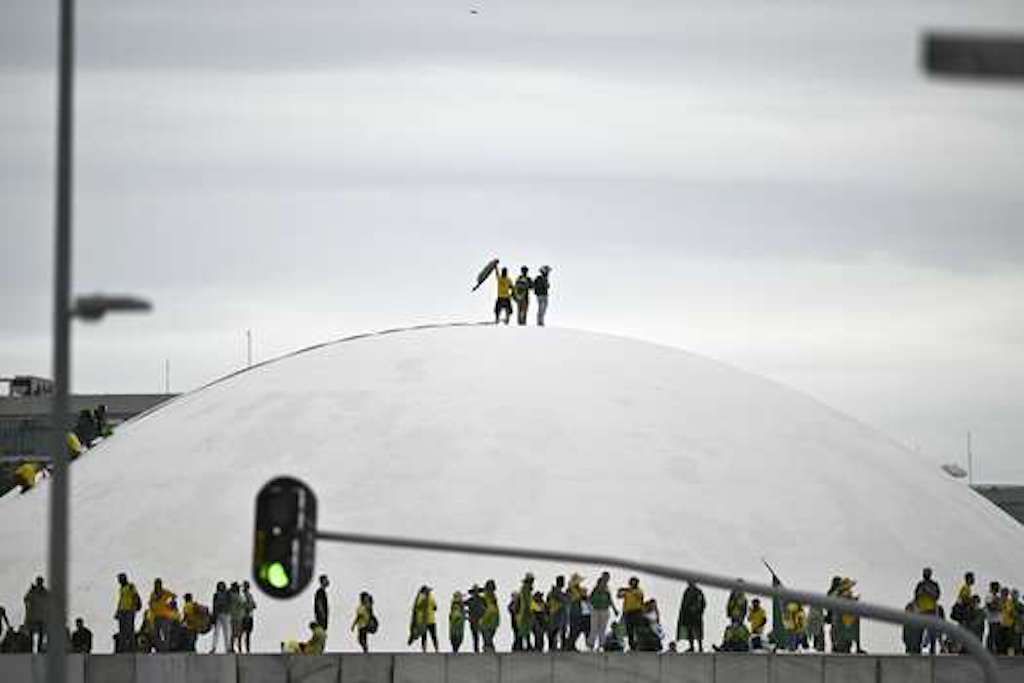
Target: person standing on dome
pixel 926 600
pixel 128 603
pixel 503 304
pixel 541 287
pixel 521 292
pixel 320 606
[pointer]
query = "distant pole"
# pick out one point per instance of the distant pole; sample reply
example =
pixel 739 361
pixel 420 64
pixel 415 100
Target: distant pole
pixel 167 375
pixel 56 651
pixel 970 461
pixel 248 348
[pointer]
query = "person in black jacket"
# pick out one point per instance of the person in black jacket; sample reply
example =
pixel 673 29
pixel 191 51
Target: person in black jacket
pixel 690 626
pixel 320 607
pixel 81 639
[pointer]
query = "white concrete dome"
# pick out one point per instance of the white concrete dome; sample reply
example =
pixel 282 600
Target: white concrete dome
pixel 544 437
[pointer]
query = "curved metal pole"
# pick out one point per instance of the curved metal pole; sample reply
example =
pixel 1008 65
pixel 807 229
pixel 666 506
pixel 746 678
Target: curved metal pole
pixel 887 614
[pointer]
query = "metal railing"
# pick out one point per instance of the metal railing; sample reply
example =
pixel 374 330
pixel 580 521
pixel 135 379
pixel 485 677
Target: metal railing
pixel 843 606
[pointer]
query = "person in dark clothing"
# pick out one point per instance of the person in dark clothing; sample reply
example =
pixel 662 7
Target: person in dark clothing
pixel 5 625
pixel 541 287
pixel 513 607
pixel 320 606
pixel 81 639
pixel 86 429
pixel 912 635
pixel 474 611
pixel 37 605
pixel 17 641
pixel 558 615
pixel 690 626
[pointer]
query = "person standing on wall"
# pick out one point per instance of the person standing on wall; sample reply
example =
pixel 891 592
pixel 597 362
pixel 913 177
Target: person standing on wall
pixel 37 604
pixel 249 607
pixel 365 622
pixel 926 599
pixel 320 606
pixel 690 626
pixel 600 604
pixel 128 603
pixel 221 616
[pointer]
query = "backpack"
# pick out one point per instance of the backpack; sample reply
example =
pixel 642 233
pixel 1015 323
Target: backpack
pixel 373 624
pixel 959 613
pixel 203 617
pixel 523 285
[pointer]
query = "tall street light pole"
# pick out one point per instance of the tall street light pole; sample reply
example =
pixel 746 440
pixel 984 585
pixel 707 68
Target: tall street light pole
pixel 56 658
pixel 90 308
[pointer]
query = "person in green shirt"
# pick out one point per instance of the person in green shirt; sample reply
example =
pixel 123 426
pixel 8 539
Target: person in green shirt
pixel 601 604
pixel 456 621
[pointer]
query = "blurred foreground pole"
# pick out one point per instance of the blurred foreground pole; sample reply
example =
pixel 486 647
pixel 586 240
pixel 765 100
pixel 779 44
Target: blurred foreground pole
pixel 973 56
pixel 56 663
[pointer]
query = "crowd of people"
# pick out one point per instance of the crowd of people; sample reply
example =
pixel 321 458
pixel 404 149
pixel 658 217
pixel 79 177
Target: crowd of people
pixel 165 625
pixel 568 616
pixel 519 291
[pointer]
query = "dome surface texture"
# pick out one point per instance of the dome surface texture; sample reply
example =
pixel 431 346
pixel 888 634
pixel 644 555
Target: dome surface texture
pixel 532 436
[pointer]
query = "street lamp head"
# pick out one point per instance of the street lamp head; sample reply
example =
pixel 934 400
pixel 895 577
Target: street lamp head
pixel 95 306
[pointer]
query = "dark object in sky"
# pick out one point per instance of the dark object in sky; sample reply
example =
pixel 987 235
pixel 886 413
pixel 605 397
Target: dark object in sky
pixel 473 11
pixel 973 55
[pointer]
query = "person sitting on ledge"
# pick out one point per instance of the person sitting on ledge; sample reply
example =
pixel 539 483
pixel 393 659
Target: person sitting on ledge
pixel 735 639
pixel 314 646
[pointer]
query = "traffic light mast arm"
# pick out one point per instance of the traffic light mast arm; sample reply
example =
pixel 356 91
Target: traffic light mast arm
pixel 877 612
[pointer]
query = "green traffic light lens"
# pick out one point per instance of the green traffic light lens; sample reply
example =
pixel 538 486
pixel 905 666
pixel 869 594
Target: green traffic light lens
pixel 277 575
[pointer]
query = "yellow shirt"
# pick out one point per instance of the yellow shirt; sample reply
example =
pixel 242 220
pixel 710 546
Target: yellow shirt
pixel 965 594
pixel 504 287
pixel 632 600
pixel 758 618
pixel 190 616
pixel 362 618
pixel 1009 612
pixel 160 605
pixel 26 474
pixel 426 609
pixel 127 598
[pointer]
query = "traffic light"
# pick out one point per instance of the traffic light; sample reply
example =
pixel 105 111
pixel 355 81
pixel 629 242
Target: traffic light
pixel 284 545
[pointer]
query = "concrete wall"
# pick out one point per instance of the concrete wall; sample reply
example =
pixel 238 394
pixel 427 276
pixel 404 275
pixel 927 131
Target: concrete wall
pixel 507 668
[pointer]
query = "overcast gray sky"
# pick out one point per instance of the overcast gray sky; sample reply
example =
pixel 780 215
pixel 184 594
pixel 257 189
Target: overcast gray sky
pixel 773 184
